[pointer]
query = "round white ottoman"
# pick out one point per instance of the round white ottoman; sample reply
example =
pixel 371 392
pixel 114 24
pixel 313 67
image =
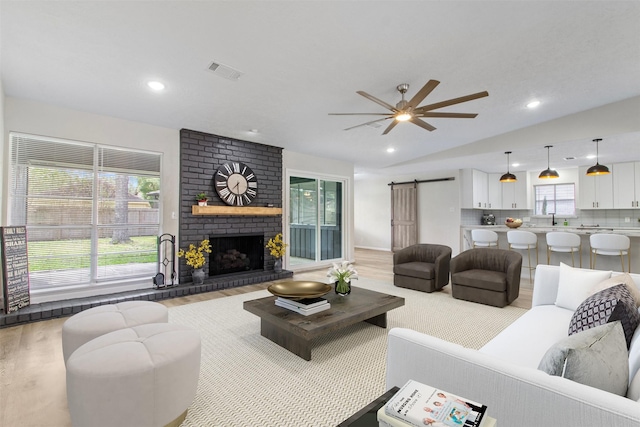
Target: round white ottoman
pixel 146 376
pixel 89 324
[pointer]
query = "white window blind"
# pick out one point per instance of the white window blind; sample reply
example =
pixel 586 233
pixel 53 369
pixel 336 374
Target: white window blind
pixel 559 199
pixel 91 211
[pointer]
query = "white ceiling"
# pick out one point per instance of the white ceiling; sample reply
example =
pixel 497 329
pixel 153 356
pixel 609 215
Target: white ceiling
pixel 302 60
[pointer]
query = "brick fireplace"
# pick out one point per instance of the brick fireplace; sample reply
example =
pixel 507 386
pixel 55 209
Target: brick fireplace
pixel 200 156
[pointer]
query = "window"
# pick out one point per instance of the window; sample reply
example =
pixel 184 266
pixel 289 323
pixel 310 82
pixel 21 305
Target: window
pixel 555 198
pixel 91 211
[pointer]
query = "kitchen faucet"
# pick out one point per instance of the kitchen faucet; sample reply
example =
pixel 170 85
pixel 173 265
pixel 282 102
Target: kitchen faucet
pixel 553 218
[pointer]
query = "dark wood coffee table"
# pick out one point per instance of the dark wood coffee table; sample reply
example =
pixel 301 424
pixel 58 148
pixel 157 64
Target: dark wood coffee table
pixel 296 332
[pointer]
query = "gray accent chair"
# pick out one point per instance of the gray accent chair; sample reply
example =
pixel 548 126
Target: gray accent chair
pixel 423 267
pixel 486 276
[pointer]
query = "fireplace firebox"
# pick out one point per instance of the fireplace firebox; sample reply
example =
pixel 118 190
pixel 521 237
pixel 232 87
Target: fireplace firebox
pixel 236 253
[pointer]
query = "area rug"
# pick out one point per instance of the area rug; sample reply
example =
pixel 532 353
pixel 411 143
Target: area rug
pixel 246 380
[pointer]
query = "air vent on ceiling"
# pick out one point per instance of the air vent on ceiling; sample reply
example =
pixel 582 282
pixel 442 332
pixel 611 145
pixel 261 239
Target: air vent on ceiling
pixel 225 71
pixel 569 158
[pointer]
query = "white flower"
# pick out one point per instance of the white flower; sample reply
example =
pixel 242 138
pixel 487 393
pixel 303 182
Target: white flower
pixel 343 272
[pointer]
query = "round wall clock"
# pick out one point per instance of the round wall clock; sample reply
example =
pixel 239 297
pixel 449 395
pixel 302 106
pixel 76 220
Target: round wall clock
pixel 236 184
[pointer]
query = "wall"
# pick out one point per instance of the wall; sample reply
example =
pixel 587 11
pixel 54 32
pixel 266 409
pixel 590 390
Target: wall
pixel 438 210
pixel 42 119
pixel 311 166
pixel 200 156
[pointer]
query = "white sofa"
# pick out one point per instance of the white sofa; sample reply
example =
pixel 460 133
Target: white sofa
pixel 503 374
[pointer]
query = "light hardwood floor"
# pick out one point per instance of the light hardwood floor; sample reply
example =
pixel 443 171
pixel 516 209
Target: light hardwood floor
pixel 32 383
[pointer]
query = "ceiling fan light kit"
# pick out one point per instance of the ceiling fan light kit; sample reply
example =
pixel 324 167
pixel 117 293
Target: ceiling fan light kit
pixel 408 111
pixel 508 177
pixel 597 169
pixel 548 173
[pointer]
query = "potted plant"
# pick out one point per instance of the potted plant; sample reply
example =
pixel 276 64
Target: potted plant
pixel 342 274
pixel 202 199
pixel 194 257
pixel 277 248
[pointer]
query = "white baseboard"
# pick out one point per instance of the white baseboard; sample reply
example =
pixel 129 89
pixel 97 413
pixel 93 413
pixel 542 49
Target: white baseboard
pixel 373 249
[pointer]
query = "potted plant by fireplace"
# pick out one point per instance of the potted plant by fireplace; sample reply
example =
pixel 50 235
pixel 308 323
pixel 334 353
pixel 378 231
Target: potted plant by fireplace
pixel 202 199
pixel 195 258
pixel 277 248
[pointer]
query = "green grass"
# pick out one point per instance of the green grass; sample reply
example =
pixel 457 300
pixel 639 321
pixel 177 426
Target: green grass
pixel 73 253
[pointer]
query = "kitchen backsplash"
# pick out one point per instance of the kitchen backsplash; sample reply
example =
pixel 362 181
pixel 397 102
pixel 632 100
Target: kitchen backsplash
pixel 604 217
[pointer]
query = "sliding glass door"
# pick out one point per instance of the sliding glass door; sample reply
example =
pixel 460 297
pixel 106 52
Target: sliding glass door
pixel 315 220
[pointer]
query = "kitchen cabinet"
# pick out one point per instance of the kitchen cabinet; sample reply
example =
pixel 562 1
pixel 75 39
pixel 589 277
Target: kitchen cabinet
pixel 514 194
pixel 626 185
pixel 495 191
pixel 474 190
pixel 596 192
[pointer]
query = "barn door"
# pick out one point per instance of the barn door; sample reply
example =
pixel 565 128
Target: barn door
pixel 404 215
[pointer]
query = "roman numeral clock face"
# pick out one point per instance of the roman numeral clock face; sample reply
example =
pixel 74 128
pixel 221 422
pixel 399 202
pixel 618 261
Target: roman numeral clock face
pixel 236 184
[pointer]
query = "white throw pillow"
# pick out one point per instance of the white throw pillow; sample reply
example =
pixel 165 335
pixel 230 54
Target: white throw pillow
pixel 623 278
pixel 575 285
pixel 633 392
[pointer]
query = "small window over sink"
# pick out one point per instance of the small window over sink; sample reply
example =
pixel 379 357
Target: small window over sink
pixel 555 198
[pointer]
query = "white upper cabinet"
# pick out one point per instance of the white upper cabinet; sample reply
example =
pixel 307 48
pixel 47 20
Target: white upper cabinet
pixel 514 194
pixel 475 193
pixel 495 191
pixel 626 185
pixel 596 192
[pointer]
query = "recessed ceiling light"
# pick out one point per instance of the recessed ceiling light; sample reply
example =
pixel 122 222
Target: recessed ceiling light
pixel 591 156
pixel 390 150
pixel 533 104
pixel 253 130
pixel 155 85
pixel 515 165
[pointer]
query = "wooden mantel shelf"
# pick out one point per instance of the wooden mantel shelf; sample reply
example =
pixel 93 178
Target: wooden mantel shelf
pixel 235 210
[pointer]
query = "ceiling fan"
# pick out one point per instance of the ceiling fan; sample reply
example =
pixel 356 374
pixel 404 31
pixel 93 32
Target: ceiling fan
pixel 409 111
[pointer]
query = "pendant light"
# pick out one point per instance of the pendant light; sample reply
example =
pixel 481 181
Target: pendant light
pixel 597 169
pixel 548 173
pixel 508 177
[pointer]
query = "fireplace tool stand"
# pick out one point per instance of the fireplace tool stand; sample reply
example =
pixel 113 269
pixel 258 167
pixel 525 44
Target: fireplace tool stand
pixel 166 261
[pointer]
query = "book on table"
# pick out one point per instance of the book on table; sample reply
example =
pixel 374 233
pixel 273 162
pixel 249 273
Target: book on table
pixel 417 404
pixel 301 310
pixel 385 420
pixel 304 302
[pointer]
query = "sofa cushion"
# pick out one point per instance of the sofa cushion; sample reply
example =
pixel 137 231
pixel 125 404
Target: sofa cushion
pixel 482 279
pixel 421 270
pixel 525 341
pixel 618 279
pixel 575 285
pixel 596 357
pixel 608 305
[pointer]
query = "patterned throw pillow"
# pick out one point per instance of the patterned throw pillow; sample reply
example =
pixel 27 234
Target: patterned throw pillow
pixel 608 305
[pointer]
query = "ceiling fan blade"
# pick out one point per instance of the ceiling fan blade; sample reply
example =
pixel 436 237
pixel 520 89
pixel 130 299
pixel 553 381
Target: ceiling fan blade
pixel 368 123
pixel 422 93
pixel 377 101
pixel 391 126
pixel 447 115
pixel 422 124
pixel 451 102
pixel 360 114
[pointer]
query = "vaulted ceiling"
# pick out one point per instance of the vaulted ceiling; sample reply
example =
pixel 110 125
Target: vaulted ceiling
pixel 302 60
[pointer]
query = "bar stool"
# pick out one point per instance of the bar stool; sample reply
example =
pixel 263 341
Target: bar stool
pixel 484 238
pixel 522 240
pixel 561 241
pixel 611 245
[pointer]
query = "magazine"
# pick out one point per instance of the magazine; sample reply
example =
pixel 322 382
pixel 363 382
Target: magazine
pixel 303 311
pixel 421 405
pixel 304 302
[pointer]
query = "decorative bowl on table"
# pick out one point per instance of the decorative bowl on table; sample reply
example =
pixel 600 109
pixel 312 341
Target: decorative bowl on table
pixel 299 289
pixel 513 223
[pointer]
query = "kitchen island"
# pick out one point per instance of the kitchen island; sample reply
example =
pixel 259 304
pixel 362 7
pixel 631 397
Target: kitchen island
pixel 603 262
